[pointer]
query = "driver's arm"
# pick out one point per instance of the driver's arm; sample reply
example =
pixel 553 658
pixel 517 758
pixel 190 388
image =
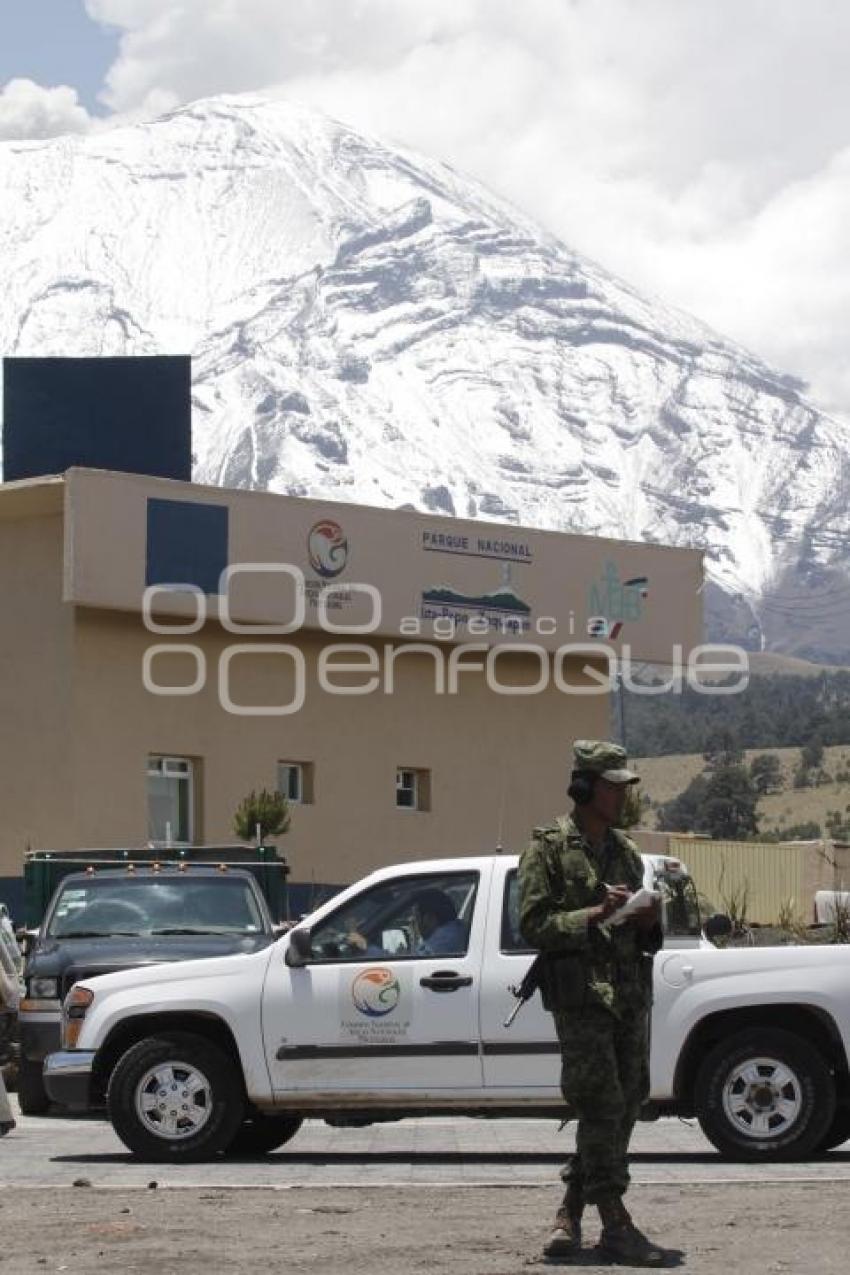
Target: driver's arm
pixel 360 943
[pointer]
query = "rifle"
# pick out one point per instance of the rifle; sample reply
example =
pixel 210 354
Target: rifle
pixel 527 987
pixel 534 974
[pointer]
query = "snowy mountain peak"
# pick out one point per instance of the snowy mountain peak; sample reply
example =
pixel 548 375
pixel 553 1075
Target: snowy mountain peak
pixel 369 325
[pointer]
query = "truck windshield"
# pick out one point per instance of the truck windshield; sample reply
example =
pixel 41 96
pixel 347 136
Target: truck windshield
pixel 681 906
pixel 141 907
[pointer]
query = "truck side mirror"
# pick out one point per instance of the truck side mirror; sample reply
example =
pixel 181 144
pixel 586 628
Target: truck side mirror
pixel 718 926
pixel 299 949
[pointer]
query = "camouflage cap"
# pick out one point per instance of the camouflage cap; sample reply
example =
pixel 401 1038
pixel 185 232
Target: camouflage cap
pixel 601 757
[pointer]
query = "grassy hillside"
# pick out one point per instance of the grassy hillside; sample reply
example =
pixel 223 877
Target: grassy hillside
pixel 665 777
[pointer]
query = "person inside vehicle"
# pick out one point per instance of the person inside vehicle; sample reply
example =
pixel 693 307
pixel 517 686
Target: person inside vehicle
pixel 437 931
pixel 441 932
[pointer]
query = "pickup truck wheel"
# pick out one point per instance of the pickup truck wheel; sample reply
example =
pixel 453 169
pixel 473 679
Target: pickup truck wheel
pixel 838 1132
pixel 261 1134
pixel 175 1098
pixel 32 1095
pixel 765 1095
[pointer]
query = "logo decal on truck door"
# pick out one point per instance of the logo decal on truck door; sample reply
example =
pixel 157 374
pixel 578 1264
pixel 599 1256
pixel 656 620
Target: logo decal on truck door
pixel 375 992
pixel 375 1005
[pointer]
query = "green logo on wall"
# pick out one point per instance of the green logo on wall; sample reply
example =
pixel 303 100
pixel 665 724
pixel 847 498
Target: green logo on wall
pixel 616 599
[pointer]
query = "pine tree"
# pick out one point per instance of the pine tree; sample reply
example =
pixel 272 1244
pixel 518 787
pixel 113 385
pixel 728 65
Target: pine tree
pixel 267 810
pixel 766 773
pixel 730 807
pixel 722 804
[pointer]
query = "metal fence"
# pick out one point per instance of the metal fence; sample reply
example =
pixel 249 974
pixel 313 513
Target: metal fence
pixel 761 878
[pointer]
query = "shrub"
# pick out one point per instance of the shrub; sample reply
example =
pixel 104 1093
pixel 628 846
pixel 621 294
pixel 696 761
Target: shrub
pixel 268 811
pixel 766 773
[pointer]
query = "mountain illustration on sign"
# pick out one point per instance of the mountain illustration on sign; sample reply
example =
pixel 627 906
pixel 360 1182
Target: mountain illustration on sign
pixel 498 600
pixel 504 598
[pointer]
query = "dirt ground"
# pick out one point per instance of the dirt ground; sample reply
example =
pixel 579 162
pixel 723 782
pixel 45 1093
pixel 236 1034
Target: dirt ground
pixel 754 1230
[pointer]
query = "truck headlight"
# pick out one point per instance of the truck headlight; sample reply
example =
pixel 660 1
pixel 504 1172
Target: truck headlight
pixel 73 1015
pixel 43 989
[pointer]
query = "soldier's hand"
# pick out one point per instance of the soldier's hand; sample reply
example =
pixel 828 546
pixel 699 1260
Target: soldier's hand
pixel 615 897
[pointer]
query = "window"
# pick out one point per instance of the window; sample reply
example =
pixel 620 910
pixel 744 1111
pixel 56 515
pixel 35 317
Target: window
pixel 681 905
pixel 186 542
pixel 511 938
pixel 407 918
pixel 412 789
pixel 145 905
pixel 295 781
pixel 171 800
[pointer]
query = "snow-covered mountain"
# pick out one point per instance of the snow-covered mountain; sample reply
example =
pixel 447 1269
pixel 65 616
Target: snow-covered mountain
pixel 368 325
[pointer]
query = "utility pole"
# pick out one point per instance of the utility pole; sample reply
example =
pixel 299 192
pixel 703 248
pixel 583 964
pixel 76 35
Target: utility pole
pixel 621 705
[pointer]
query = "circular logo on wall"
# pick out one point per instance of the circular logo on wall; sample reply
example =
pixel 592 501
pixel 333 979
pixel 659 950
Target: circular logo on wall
pixel 328 548
pixel 375 992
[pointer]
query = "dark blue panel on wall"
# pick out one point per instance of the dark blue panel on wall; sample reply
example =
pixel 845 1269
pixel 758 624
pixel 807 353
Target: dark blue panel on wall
pixel 127 414
pixel 187 543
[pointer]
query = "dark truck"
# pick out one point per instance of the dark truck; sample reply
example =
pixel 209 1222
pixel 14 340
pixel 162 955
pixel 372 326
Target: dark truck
pixel 98 911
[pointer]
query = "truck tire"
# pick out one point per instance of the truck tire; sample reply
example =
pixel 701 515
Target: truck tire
pixel 261 1134
pixel 838 1132
pixel 32 1095
pixel 176 1099
pixel 765 1095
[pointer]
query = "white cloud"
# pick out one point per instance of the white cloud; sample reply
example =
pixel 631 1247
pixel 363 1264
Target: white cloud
pixel 698 149
pixel 27 110
pixel 781 278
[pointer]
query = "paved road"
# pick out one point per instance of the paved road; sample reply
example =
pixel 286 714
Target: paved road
pixel 53 1151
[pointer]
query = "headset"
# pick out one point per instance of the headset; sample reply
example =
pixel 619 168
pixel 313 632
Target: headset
pixel 582 783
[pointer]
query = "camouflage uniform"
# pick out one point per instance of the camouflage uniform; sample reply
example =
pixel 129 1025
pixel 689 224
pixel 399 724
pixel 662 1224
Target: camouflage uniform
pixel 597 983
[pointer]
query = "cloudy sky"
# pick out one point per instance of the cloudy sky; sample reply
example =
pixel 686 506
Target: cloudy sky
pixel 699 148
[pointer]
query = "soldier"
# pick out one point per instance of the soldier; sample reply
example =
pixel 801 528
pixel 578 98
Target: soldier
pixel 597 983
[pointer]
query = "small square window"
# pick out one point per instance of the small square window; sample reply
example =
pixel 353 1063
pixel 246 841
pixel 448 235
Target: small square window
pixel 412 789
pixel 295 781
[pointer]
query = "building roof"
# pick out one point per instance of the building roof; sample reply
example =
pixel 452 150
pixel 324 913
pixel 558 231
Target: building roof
pixel 32 497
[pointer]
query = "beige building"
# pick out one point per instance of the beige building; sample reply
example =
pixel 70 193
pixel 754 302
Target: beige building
pixel 439 722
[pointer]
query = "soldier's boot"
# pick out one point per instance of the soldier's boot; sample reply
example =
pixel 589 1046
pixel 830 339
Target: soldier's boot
pixel 565 1239
pixel 621 1239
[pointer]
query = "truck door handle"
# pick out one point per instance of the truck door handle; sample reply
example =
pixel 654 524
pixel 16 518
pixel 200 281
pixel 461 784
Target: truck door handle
pixel 445 981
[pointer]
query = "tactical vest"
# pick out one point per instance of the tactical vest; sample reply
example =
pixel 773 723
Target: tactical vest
pixel 611 967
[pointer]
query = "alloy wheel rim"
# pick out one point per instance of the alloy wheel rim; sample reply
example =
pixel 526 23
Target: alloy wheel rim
pixel 173 1100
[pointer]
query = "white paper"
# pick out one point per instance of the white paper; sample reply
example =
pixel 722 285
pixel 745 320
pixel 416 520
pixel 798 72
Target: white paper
pixel 640 899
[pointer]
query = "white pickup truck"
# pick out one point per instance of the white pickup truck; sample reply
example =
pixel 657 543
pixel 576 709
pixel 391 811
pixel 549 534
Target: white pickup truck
pixel 358 1015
